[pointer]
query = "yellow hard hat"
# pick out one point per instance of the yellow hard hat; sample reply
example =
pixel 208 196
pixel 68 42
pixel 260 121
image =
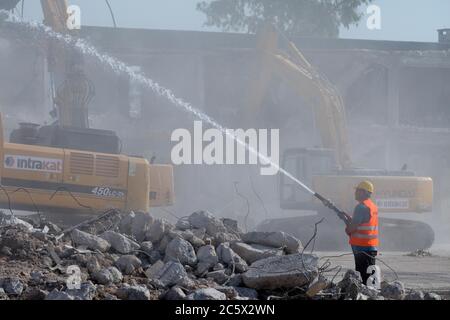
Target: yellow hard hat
pixel 366 185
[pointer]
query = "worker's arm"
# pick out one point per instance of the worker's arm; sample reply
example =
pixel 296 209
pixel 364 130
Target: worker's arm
pixel 351 228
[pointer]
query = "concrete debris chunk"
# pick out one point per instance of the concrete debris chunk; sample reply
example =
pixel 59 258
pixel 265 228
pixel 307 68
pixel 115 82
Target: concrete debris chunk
pixel 319 284
pixel 361 296
pixel 253 252
pixel 276 239
pixel 208 294
pixel 183 224
pixel 231 226
pixel 206 220
pixel 135 292
pixel 394 290
pixel 175 293
pixel 9 220
pixel 140 225
pixel 107 276
pixel 219 277
pixel 207 258
pixel 3 295
pixel 230 258
pixel 182 251
pixel 154 270
pixel 87 291
pixel 59 295
pixel 147 247
pixel 128 264
pixel 35 294
pixel 192 239
pixel 236 280
pixel 252 294
pixel 120 243
pixel 12 286
pixel 171 274
pixel 126 223
pixel 158 229
pixel 81 238
pixel 350 276
pixel 288 271
pixel 102 276
pixel 415 295
pixel 222 237
pixel 432 296
pixel 162 246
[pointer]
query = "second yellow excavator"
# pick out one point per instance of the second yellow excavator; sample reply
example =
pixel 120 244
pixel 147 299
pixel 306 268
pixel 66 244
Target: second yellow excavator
pixel 330 170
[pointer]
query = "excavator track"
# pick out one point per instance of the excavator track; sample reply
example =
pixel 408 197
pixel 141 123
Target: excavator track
pixel 395 234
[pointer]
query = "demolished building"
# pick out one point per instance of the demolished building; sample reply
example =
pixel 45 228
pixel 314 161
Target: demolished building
pixel 396 94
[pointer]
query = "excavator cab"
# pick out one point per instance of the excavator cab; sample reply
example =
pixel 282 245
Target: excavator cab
pixel 303 163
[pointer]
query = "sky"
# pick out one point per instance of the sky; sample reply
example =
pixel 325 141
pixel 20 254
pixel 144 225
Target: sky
pixel 408 20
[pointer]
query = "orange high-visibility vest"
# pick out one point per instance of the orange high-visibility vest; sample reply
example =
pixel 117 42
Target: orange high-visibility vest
pixel 366 234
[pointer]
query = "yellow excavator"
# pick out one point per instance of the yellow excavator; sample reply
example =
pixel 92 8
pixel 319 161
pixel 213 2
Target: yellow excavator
pixel 67 168
pixel 330 170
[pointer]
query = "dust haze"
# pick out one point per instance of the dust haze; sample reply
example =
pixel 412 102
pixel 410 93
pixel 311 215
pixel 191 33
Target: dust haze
pixel 396 102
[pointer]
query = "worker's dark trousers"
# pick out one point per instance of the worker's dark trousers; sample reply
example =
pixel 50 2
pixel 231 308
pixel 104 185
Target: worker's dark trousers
pixel 364 259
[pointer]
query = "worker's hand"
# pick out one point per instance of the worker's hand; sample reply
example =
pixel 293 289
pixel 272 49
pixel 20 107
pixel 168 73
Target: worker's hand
pixel 347 231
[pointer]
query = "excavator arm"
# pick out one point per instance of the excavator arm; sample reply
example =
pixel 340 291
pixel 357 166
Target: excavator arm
pixel 306 81
pixel 55 14
pixel 72 90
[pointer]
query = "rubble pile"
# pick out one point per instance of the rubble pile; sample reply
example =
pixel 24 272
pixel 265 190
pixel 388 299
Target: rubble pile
pixel 139 257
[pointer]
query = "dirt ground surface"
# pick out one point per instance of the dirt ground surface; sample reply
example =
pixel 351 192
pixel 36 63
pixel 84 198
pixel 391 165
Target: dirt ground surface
pixel 426 273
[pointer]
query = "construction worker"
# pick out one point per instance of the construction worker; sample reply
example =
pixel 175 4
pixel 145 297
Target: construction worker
pixel 363 229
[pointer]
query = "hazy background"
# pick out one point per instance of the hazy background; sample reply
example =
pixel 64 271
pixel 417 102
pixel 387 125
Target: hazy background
pixel 405 20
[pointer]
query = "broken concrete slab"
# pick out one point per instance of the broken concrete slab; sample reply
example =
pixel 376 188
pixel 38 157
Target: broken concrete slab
pixel 81 238
pixel 182 251
pixel 254 252
pixel 119 242
pixel 295 270
pixel 278 239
